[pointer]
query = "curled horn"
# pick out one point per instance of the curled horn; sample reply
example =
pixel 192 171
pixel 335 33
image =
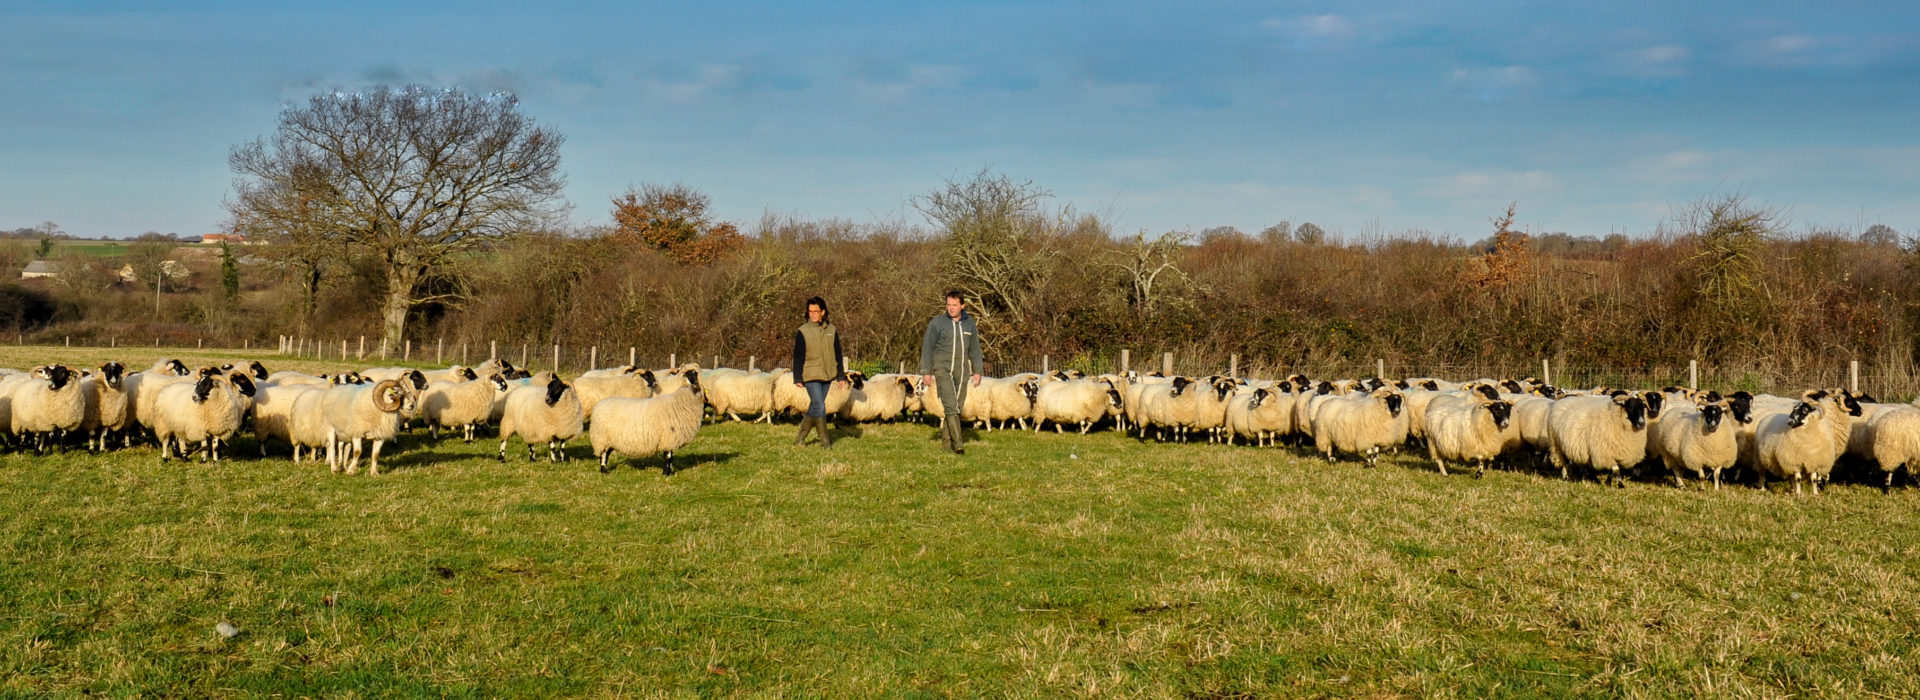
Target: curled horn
pixel 380 393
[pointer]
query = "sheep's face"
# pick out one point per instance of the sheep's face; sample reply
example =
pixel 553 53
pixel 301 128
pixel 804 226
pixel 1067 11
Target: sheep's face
pixel 58 376
pixel 259 371
pixel 907 385
pixel 177 368
pixel 857 379
pixel 1259 397
pixel 693 383
pixel 1635 408
pixel 204 388
pixel 1851 404
pixel 1323 388
pixel 1030 389
pixel 1502 413
pixel 1179 386
pixel 1511 386
pixel 1741 408
pixel 1113 398
pixel 114 374
pixel 1655 400
pixel 1394 402
pixel 1430 385
pixel 468 374
pixel 646 375
pixel 557 388
pixel 1799 415
pixel 1491 393
pixel 1710 416
pixel 1402 384
pixel 499 382
pixel 1223 389
pixel 1374 383
pixel 243 383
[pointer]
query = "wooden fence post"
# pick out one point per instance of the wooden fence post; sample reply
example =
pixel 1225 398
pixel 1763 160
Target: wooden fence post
pixel 1166 364
pixel 593 358
pixel 1853 376
pixel 1693 375
pixel 630 355
pixel 1124 357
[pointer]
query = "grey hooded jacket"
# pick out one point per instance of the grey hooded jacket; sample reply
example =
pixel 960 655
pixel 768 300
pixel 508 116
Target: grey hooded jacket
pixel 951 346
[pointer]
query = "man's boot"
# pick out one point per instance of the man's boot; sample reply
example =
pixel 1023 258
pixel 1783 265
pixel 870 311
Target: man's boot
pixel 806 426
pixel 955 438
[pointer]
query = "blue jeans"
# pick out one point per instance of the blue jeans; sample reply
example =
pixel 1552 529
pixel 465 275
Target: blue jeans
pixel 817 399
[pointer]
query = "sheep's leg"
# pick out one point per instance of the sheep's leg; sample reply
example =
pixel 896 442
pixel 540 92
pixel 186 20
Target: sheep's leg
pixel 1443 465
pixel 373 459
pixel 1887 488
pixel 1796 484
pixel 1085 426
pixel 1480 469
pixel 211 456
pixel 604 456
pixel 667 469
pixel 503 449
pixel 165 455
pixel 530 456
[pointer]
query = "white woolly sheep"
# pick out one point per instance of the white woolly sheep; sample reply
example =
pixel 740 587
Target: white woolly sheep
pixel 637 384
pixel 1360 424
pixel 642 427
pixel 1077 402
pixel 202 413
pixel 1605 433
pixel 545 411
pixel 789 398
pixel 732 392
pixel 1472 431
pixel 1803 444
pixel 1693 437
pixel 882 397
pixel 273 414
pixel 1896 442
pixel 359 413
pixel 47 407
pixel 106 405
pixel 1170 407
pixel 462 405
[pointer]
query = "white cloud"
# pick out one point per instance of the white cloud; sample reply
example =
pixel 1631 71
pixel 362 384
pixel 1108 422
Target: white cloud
pixel 1495 83
pixel 1312 32
pixel 1662 61
pixel 1497 184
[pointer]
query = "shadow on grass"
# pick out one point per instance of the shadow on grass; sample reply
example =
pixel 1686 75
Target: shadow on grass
pixel 681 462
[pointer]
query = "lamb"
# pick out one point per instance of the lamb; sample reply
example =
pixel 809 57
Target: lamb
pixel 48 406
pixel 1691 438
pixel 363 412
pixel 1605 433
pixel 1468 431
pixel 1896 442
pixel 1360 424
pixel 643 427
pixel 1804 443
pixel 880 398
pixel 1081 402
pixel 546 410
pixel 732 392
pixel 106 405
pixel 206 411
pixel 462 405
pixel 627 384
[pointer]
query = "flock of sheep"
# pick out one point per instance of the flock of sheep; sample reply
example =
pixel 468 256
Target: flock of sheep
pixel 640 412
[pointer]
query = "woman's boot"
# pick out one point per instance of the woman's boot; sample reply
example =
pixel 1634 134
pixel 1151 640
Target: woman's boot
pixel 806 426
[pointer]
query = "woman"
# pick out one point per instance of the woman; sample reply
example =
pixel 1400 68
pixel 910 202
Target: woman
pixel 816 366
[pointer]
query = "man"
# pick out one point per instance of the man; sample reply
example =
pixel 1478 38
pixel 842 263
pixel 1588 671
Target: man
pixel 948 355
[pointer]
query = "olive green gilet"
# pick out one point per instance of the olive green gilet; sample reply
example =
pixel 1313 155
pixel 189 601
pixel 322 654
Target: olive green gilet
pixel 819 363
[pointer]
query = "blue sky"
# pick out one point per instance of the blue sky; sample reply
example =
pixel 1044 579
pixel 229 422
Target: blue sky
pixel 1365 118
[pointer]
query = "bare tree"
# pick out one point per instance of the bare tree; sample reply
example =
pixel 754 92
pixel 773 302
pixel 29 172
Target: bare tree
pixel 1000 238
pixel 410 175
pixel 1145 261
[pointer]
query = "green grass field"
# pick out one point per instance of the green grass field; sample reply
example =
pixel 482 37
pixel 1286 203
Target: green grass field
pixel 1036 565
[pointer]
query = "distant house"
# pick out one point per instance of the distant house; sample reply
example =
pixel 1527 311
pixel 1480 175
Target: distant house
pixel 229 238
pixel 40 268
